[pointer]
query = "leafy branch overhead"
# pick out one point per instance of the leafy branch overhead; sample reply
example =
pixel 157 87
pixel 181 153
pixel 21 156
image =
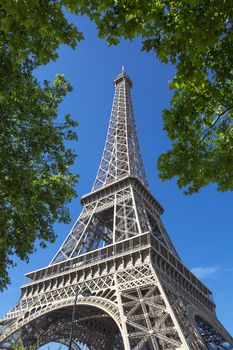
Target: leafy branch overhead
pixel 197 38
pixel 35 178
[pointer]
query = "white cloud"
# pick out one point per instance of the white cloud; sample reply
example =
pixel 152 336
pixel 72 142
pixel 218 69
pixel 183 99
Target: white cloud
pixel 205 272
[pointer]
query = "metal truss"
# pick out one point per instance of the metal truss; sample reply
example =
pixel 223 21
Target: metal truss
pixel 212 338
pixel 134 292
pixel 112 217
pixel 121 155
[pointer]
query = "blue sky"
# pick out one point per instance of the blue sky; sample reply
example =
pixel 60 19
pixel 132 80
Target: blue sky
pixel 199 225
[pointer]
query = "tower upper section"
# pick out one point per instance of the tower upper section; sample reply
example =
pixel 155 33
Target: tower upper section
pixel 121 155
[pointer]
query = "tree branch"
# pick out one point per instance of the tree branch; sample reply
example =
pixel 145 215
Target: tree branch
pixel 214 123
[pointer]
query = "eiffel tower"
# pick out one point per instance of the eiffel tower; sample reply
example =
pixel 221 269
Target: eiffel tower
pixel 118 266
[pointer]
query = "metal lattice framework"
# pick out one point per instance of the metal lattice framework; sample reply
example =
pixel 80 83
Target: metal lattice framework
pixel 140 294
pixel 121 156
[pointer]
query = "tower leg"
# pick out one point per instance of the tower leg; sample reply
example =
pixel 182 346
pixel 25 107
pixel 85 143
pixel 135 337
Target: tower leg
pixel 150 321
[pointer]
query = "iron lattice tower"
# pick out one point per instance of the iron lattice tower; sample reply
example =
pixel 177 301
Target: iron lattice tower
pixel 133 290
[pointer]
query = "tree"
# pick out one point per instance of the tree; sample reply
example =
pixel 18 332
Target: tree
pixel 197 37
pixel 19 345
pixel 35 178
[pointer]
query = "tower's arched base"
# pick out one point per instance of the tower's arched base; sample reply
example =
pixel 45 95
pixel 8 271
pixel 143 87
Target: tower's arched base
pixel 94 329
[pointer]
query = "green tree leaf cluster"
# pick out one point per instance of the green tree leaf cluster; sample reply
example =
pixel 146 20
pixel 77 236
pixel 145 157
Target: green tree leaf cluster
pixel 35 178
pixel 19 345
pixel 196 36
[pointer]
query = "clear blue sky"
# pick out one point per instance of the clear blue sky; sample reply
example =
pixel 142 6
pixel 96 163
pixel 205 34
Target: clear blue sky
pixel 200 225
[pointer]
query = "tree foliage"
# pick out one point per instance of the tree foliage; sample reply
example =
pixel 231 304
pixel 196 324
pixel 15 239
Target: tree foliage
pixel 19 345
pixel 35 178
pixel 196 36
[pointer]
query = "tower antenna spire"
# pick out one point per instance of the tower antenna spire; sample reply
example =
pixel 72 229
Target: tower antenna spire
pixel 122 68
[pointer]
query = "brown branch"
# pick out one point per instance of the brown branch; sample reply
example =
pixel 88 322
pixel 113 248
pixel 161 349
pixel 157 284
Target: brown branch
pixel 214 123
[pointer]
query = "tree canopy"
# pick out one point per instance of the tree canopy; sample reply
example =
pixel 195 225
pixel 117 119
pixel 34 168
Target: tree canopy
pixel 35 178
pixel 19 345
pixel 196 36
